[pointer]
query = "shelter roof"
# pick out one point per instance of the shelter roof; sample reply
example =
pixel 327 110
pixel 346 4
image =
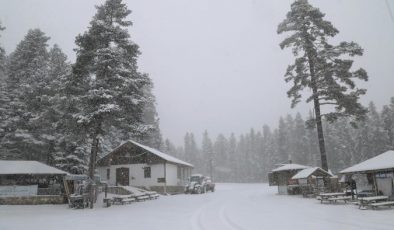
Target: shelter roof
pixel 289 167
pixel 380 162
pixel 305 173
pixel 10 167
pixel 156 152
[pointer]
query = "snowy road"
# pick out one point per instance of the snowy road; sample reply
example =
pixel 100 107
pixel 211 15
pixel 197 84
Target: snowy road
pixel 231 207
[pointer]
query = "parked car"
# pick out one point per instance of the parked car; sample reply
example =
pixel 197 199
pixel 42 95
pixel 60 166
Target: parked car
pixel 199 184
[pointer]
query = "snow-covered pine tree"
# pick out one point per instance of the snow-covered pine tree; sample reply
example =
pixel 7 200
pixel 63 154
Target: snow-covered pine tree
pixel 152 134
pixel 220 158
pixel 233 158
pixel 388 123
pixel 107 64
pixel 2 58
pixel 27 73
pixel 208 155
pixel 66 137
pixel 4 99
pixel 300 149
pixel 320 66
pixel 378 137
pixel 283 142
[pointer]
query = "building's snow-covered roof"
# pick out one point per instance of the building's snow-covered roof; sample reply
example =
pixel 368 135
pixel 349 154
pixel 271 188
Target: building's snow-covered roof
pixel 380 162
pixel 161 154
pixel 288 167
pixel 156 152
pixel 8 167
pixel 305 173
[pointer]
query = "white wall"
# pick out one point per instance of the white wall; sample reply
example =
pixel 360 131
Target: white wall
pixel 137 174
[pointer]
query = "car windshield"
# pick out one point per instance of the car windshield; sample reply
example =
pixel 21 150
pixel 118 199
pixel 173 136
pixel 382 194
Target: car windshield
pixel 195 179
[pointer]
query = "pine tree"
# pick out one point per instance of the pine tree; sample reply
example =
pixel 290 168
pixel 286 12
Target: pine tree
pixel 27 74
pixel 320 67
pixel 379 139
pixel 151 135
pixel 5 113
pixel 208 155
pixel 282 142
pixel 233 158
pixel 107 67
pixel 388 123
pixel 300 148
pixel 2 58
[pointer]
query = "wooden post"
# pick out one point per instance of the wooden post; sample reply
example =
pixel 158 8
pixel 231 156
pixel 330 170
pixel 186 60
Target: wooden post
pixel 375 183
pixel 165 178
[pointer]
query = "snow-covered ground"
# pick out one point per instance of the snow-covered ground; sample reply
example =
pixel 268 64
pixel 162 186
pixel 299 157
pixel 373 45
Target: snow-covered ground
pixel 230 207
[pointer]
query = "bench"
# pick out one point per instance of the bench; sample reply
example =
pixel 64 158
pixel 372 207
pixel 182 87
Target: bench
pixel 127 200
pixel 123 199
pixel 342 198
pixel 379 204
pixel 154 196
pixel 142 198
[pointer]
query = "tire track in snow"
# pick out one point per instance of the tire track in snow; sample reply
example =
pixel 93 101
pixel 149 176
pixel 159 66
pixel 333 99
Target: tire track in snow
pixel 226 220
pixel 197 219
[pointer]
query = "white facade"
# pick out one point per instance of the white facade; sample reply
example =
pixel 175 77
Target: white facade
pixel 137 176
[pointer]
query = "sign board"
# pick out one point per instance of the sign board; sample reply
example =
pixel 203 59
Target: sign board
pixel 18 190
pixel 161 180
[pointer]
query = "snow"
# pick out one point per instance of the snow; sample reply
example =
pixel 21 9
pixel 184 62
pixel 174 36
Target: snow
pixel 159 154
pixel 27 167
pixel 286 167
pixel 305 173
pixel 382 161
pixel 230 207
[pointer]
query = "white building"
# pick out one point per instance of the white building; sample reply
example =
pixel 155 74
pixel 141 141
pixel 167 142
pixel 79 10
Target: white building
pixel 134 164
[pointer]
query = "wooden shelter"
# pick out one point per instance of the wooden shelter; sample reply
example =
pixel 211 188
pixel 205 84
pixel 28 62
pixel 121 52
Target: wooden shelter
pixel 134 164
pixel 311 180
pixel 282 177
pixel 30 182
pixel 378 174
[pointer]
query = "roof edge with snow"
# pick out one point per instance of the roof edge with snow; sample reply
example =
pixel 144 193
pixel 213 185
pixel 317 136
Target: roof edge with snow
pixel 384 161
pixel 290 167
pixel 156 152
pixel 16 167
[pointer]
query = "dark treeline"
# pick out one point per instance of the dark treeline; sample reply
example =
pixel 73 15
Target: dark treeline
pixel 250 156
pixel 51 109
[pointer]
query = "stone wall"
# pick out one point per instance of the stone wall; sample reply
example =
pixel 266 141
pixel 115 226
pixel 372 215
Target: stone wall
pixel 32 200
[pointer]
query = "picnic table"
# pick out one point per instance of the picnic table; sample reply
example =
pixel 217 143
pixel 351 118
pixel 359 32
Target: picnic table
pixel 333 196
pixel 364 202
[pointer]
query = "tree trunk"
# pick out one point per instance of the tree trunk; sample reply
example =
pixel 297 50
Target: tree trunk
pixel 319 125
pixel 92 167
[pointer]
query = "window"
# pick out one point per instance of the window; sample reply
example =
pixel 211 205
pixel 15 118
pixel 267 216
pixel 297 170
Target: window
pixel 147 172
pixel 108 173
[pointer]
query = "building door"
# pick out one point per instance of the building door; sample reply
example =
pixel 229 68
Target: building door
pixel 122 176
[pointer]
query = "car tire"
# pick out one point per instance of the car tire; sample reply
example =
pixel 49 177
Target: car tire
pixel 199 190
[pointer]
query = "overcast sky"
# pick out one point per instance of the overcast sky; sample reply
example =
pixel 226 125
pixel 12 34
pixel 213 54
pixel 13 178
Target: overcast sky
pixel 216 64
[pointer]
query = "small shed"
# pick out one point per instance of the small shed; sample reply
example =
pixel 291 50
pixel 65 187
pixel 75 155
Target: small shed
pixel 30 182
pixel 282 177
pixel 378 173
pixel 311 180
pixel 134 164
